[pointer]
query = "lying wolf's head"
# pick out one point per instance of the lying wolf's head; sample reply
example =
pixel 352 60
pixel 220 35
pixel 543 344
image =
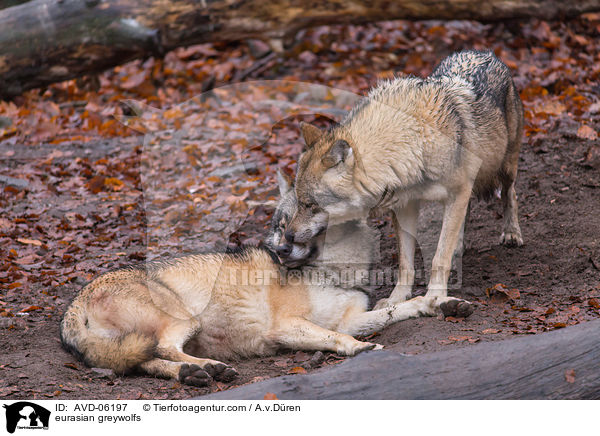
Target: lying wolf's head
pixel 291 255
pixel 324 184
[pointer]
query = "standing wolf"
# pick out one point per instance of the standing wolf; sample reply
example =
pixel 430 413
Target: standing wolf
pixel 441 138
pixel 159 317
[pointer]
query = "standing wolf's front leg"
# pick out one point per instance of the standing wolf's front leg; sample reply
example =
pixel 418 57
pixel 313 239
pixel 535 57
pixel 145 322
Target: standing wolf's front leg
pixel 454 216
pixel 405 223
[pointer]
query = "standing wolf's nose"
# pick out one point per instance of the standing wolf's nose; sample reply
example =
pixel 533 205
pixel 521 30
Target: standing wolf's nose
pixel 289 236
pixel 284 250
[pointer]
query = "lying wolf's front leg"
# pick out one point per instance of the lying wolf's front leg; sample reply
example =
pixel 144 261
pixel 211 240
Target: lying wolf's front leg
pixel 366 323
pixel 300 334
pixel 405 223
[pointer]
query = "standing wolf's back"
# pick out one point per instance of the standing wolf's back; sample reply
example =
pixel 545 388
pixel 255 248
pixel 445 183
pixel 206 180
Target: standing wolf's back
pixel 489 77
pixel 491 82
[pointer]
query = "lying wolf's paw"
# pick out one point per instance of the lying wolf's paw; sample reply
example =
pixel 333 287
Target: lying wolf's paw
pixel 357 347
pixel 456 307
pixel 194 375
pixel 511 239
pixel 221 372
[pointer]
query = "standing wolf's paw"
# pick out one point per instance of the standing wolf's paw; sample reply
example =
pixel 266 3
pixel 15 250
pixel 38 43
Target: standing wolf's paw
pixel 511 239
pixel 194 375
pixel 456 307
pixel 221 372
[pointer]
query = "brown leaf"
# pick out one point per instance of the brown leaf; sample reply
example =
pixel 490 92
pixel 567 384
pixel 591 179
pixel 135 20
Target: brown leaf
pixel 30 241
pixel 270 396
pixel 559 325
pixel 134 80
pixel 500 293
pixel 95 184
pixel 31 309
pixel 71 365
pixel 586 132
pixel 594 303
pixel 297 370
pixel 550 107
pixel 453 319
pixel 460 338
pixel 282 363
pixel 114 183
pixel 490 331
pixel 570 375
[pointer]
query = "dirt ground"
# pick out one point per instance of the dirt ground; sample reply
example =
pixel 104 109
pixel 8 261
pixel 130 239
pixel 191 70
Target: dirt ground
pixel 66 226
pixel 556 273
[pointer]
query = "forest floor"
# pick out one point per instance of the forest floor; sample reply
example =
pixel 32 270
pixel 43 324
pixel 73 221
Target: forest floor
pixel 82 194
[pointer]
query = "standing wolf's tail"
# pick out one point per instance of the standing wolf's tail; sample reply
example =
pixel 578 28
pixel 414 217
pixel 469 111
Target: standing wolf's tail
pixel 121 354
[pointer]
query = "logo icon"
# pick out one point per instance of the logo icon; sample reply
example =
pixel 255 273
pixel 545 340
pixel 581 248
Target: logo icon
pixel 26 415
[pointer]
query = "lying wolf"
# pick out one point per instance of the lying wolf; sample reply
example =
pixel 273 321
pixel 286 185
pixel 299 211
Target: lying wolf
pixel 141 317
pixel 441 138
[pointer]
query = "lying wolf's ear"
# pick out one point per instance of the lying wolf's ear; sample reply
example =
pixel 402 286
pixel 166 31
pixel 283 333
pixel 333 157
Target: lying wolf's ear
pixel 340 151
pixel 310 133
pixel 285 182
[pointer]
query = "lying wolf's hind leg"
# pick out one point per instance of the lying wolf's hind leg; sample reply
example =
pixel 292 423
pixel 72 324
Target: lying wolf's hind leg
pixel 170 347
pixel 193 375
pixel 217 370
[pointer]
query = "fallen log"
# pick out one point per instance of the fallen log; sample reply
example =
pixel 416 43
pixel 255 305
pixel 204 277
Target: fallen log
pixel 563 364
pixel 46 41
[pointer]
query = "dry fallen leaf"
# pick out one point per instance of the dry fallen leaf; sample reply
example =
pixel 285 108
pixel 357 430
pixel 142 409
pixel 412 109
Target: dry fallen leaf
pixel 30 241
pixel 490 331
pixel 570 375
pixel 594 303
pixel 454 319
pixel 586 132
pixel 550 107
pixel 31 309
pixel 297 370
pixel 500 293
pixel 270 396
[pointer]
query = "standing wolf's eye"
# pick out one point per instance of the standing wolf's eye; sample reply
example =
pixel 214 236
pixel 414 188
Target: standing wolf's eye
pixel 315 209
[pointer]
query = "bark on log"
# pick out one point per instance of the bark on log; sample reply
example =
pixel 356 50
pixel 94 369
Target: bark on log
pixel 10 3
pixel 532 367
pixel 46 41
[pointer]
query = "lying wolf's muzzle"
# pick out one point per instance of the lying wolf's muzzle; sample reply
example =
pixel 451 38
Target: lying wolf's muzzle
pixel 296 255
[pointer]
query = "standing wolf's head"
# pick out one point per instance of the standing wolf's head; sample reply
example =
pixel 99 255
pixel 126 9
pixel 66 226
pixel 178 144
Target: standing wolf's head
pixel 290 254
pixel 324 184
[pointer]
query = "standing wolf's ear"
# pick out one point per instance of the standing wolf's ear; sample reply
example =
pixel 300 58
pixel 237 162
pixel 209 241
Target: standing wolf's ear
pixel 340 151
pixel 285 182
pixel 310 133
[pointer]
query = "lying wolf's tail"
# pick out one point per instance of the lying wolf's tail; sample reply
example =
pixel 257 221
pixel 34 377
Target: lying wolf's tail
pixel 121 354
